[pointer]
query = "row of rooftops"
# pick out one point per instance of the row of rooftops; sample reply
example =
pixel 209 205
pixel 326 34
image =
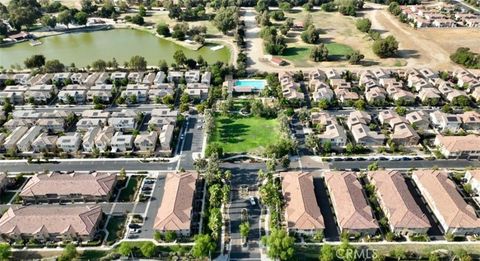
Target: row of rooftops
pixel 425 16
pixel 35 130
pixel 406 85
pixel 353 213
pixel 98 78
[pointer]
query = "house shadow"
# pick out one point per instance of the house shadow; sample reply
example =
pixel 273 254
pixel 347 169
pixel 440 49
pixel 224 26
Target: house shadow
pixel 369 63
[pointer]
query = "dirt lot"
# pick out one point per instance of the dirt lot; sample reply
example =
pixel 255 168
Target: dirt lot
pixel 340 29
pixel 423 47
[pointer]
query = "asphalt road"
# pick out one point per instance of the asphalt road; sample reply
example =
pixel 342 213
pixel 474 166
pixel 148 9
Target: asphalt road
pixel 405 164
pixel 151 211
pixel 244 174
pixel 87 165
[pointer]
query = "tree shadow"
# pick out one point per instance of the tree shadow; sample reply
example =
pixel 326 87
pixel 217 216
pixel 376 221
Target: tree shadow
pixel 233 132
pixel 408 54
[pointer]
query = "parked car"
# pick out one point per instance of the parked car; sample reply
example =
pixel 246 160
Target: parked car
pixel 134 226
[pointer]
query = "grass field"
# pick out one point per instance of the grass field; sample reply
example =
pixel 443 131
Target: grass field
pixel 245 134
pixel 114 227
pixel 301 54
pixel 128 193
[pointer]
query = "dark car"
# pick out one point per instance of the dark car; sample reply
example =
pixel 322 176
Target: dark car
pixel 134 226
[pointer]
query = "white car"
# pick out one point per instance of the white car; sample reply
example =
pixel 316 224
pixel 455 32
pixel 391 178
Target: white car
pixel 252 201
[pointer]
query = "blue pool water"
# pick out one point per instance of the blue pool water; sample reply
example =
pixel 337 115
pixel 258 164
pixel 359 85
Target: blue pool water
pixel 257 84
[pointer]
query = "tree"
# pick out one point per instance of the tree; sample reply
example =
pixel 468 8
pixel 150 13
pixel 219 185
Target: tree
pixel 285 6
pixel 5 251
pixel 355 57
pixel 373 166
pixel 346 251
pixel 226 19
pixel 215 222
pixel 179 57
pixel 244 229
pixel 347 10
pixel 69 252
pixel 360 105
pixel 398 253
pixel 327 253
pixel 81 18
pixel 385 48
pixel 319 53
pixel 99 65
pixel 35 61
pixel 65 17
pixel 170 236
pixel 203 246
pixel 280 245
pixel 163 29
pixel 88 7
pixel 125 249
pixel 148 249
pixel 49 20
pixel 311 35
pixel 53 66
pixel 141 10
pixel 23 13
pixel 312 142
pixel 363 25
pixel 138 19
pixel 137 63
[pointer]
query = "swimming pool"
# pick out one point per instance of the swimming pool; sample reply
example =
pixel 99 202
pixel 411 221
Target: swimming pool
pixel 256 84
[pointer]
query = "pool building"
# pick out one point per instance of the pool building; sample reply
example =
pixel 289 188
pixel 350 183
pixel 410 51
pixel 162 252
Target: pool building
pixel 244 86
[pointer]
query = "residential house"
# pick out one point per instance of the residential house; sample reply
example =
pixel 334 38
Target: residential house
pixel 61 77
pixel 21 78
pixel 12 139
pixel 118 76
pixel 302 213
pixel 79 78
pixel 375 95
pixel 322 117
pixel 403 134
pixel 140 92
pixel 455 215
pixel 160 77
pixel 101 78
pixel 76 96
pixel 88 140
pixel 146 142
pixel 51 223
pixel 103 140
pixel 206 77
pixel 149 78
pixel 12 124
pixel 176 210
pixel 197 90
pixel 429 96
pixel 335 135
pixel 352 211
pixel 192 76
pixel 166 137
pixel 419 120
pixel 70 142
pixel 102 91
pixel 44 142
pixel 364 136
pixel 174 76
pixel 458 147
pixel 122 142
pixel 52 125
pixel 86 123
pixel 445 122
pixel 135 77
pixel 56 187
pixel 471 120
pixel 356 117
pixel 472 177
pixel 400 208
pixel 24 143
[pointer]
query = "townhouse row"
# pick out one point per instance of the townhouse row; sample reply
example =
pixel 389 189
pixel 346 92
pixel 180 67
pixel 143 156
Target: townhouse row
pixel 353 212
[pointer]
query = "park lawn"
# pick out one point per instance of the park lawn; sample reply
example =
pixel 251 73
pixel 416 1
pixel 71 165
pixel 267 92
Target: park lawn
pixel 115 225
pixel 128 194
pixel 300 55
pixel 245 134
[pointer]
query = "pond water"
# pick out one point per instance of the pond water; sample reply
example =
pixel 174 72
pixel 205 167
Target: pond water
pixel 121 44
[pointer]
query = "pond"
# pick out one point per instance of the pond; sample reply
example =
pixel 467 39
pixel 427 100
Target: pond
pixel 121 44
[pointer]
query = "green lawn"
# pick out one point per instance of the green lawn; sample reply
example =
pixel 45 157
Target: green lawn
pixel 128 193
pixel 245 134
pixel 6 197
pixel 92 254
pixel 115 228
pixel 301 54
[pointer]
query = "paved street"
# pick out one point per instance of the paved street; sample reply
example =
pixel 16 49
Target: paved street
pixel 244 174
pixel 193 141
pixel 151 210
